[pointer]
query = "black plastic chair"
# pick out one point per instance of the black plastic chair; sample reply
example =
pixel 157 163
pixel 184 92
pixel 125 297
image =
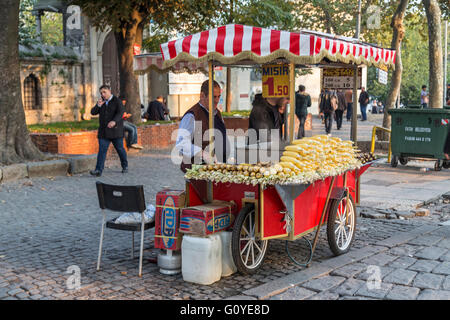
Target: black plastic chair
pixel 123 199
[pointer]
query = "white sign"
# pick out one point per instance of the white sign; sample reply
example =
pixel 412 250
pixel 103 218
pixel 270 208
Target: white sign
pixel 382 76
pixel 185 83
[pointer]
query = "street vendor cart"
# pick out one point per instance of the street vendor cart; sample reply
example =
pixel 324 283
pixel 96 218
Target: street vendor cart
pixel 285 211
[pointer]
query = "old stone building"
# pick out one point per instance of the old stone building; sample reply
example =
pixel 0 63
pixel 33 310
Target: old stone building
pixel 61 83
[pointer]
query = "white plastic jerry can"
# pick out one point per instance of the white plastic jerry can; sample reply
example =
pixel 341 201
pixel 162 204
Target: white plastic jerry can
pixel 201 259
pixel 228 266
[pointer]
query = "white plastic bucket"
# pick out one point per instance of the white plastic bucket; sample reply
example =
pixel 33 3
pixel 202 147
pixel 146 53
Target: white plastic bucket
pixel 201 259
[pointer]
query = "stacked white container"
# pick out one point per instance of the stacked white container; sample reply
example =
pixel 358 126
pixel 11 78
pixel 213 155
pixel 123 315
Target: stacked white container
pixel 201 259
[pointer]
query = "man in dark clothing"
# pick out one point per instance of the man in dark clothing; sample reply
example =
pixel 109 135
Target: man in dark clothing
pixel 363 101
pixel 155 110
pixel 302 103
pixel 265 115
pixel 342 106
pixel 111 110
pixel 349 100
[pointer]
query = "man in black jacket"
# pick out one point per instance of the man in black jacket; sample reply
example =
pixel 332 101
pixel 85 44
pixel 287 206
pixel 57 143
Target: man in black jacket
pixel 156 110
pixel 110 129
pixel 302 103
pixel 265 115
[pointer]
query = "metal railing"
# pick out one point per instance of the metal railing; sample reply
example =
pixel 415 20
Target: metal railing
pixel 372 146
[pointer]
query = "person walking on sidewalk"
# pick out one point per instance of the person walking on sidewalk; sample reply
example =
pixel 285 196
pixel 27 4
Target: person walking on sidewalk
pixel 349 100
pixel 302 103
pixel 110 129
pixel 424 97
pixel 363 101
pixel 342 105
pixel 327 107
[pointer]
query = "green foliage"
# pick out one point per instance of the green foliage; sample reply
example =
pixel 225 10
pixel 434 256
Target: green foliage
pixel 264 13
pixel 27 22
pixel 75 126
pixel 151 44
pixel 52 29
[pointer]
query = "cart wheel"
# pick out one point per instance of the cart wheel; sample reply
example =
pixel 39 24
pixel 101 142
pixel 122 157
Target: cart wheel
pixel 341 225
pixel 438 165
pixel 403 161
pixel 394 161
pixel 248 252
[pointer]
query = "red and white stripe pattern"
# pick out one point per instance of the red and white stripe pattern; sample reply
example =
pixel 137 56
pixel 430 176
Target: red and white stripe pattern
pixel 233 39
pixel 445 121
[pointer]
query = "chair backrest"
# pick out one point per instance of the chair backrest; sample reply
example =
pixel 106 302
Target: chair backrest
pixel 121 198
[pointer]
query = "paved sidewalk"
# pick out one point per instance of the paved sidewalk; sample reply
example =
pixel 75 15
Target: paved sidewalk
pixel 403 188
pixel 413 265
pixel 49 231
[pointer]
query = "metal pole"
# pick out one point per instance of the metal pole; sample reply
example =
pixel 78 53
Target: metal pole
pixel 358 21
pixel 353 134
pixel 354 127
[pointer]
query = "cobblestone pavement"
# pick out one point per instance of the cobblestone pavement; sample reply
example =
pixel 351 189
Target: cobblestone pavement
pixel 50 227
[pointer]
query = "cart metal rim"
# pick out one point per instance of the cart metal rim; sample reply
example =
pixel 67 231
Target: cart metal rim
pixel 344 224
pixel 252 249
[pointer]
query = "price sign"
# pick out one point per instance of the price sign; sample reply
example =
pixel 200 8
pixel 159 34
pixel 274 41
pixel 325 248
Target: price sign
pixel 339 78
pixel 275 81
pixel 382 76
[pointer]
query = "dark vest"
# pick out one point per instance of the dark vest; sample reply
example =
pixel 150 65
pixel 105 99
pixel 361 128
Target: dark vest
pixel 201 114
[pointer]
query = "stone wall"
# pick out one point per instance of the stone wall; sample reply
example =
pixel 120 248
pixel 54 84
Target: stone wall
pixel 60 87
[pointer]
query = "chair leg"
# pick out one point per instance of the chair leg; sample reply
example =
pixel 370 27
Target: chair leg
pixel 132 245
pixel 101 242
pixel 142 246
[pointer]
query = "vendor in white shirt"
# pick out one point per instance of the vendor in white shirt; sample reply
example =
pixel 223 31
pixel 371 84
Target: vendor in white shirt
pixel 191 140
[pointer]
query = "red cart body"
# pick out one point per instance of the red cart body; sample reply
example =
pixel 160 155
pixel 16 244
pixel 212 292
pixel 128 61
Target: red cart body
pixel 269 202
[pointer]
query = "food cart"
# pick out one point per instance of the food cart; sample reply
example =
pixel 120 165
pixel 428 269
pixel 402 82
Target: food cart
pixel 277 211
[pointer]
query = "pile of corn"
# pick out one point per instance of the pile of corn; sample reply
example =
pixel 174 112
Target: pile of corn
pixel 304 161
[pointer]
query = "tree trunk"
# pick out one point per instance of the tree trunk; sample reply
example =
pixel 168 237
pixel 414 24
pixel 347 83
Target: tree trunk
pixel 436 78
pixel 129 85
pixel 15 141
pixel 396 80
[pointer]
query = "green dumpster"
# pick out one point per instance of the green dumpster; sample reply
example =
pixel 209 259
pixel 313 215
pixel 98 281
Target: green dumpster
pixel 419 133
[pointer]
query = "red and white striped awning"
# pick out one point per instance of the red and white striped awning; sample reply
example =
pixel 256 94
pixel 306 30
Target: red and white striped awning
pixel 235 43
pixel 143 63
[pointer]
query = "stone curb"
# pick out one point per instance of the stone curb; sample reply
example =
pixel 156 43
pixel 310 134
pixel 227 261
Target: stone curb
pixel 61 167
pixel 280 285
pixel 47 168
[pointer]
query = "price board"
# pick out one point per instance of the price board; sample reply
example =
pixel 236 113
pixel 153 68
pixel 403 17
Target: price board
pixel 382 75
pixel 275 81
pixel 340 78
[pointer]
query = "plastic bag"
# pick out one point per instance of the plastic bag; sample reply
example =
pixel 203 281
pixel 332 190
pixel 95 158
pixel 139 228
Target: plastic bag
pixel 135 217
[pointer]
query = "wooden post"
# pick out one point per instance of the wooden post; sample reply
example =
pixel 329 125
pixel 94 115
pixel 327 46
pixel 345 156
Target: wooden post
pixel 292 100
pixel 211 123
pixel 354 126
pixel 211 107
